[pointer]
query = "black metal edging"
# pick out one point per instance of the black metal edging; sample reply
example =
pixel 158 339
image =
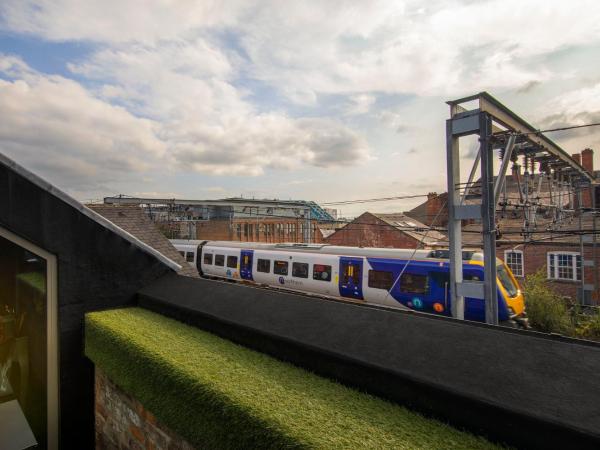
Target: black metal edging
pixel 495 422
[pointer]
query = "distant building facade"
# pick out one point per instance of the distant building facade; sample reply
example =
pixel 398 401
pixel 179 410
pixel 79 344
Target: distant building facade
pixel 236 219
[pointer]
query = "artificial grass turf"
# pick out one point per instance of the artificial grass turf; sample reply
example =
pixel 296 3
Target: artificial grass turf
pixel 217 394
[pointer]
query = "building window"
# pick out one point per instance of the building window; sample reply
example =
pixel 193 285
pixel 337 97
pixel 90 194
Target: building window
pixel 208 258
pixel 28 344
pixel 219 260
pixel 564 266
pixel 280 268
pixel 321 272
pixel 381 279
pixel 514 261
pixel 232 262
pixel 263 265
pixel 413 284
pixel 300 270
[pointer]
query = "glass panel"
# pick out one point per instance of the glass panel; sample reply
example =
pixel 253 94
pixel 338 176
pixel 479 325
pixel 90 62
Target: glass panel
pixel 565 266
pixel 219 260
pixel 506 281
pixel 381 279
pixel 232 261
pixel 514 260
pixel 189 256
pixel 263 265
pixel 23 343
pixel 321 272
pixel 208 258
pixel 300 270
pixel 413 284
pixel 280 268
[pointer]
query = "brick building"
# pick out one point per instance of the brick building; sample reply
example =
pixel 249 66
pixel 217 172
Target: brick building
pixel 386 231
pixel 259 229
pixel 553 243
pixel 235 219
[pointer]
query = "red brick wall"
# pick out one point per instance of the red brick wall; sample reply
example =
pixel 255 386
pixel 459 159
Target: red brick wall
pixel 535 258
pixel 369 231
pixel 256 230
pixel 122 422
pixel 587 161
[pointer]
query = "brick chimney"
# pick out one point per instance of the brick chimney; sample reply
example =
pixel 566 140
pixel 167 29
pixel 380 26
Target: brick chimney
pixel 587 161
pixel 434 203
pixel 576 157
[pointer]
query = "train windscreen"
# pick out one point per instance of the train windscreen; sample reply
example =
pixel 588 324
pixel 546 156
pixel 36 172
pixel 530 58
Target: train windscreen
pixel 506 280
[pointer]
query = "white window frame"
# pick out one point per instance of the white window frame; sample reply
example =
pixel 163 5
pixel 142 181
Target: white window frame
pixel 554 255
pixel 51 334
pixel 519 252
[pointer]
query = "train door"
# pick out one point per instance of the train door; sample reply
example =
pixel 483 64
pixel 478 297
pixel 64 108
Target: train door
pixel 351 277
pixel 246 264
pixel 439 290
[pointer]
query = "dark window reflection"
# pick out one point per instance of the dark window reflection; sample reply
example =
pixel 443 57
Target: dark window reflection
pixel 23 334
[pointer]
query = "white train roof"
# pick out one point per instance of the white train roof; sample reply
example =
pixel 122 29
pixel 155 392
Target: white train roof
pixel 398 253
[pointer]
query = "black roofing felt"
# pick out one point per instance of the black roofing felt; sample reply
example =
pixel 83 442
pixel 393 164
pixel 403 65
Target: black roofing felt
pixel 523 388
pixel 97 269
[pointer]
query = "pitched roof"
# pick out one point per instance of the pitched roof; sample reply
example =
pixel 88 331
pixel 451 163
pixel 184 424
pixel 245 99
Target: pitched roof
pixel 99 219
pixel 421 212
pixel 412 227
pixel 133 220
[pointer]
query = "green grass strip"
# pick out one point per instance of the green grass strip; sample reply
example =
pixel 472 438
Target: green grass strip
pixel 217 394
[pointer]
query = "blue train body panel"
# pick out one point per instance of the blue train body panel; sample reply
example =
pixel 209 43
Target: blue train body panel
pixel 437 290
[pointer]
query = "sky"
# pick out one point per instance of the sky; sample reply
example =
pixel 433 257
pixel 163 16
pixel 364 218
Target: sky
pixel 317 100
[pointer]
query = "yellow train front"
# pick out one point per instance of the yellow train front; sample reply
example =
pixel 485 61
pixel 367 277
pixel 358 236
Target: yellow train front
pixel 511 301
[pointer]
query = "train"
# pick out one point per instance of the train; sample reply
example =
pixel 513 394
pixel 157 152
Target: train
pixel 399 278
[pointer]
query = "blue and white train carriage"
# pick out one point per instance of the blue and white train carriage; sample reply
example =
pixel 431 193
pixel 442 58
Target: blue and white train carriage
pixel 362 274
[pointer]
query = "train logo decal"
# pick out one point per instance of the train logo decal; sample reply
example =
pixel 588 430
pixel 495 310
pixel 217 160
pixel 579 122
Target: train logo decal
pixel 228 273
pixel 281 280
pixel 417 303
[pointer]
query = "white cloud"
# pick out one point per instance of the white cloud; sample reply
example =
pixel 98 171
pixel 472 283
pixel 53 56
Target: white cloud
pixel 199 122
pixel 54 124
pixel 115 21
pixel 575 107
pixel 177 69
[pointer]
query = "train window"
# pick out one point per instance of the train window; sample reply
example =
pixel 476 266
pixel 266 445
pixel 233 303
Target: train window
pixel 471 277
pixel 413 284
pixel 381 279
pixel 189 256
pixel 182 253
pixel 300 270
pixel 208 258
pixel 263 265
pixel 280 268
pixel 232 262
pixel 219 260
pixel 321 272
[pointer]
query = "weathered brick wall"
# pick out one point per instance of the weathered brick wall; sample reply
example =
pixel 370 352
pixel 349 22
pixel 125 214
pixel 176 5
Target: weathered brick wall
pixel 369 231
pixel 261 229
pixel 214 230
pixel 535 258
pixel 122 422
